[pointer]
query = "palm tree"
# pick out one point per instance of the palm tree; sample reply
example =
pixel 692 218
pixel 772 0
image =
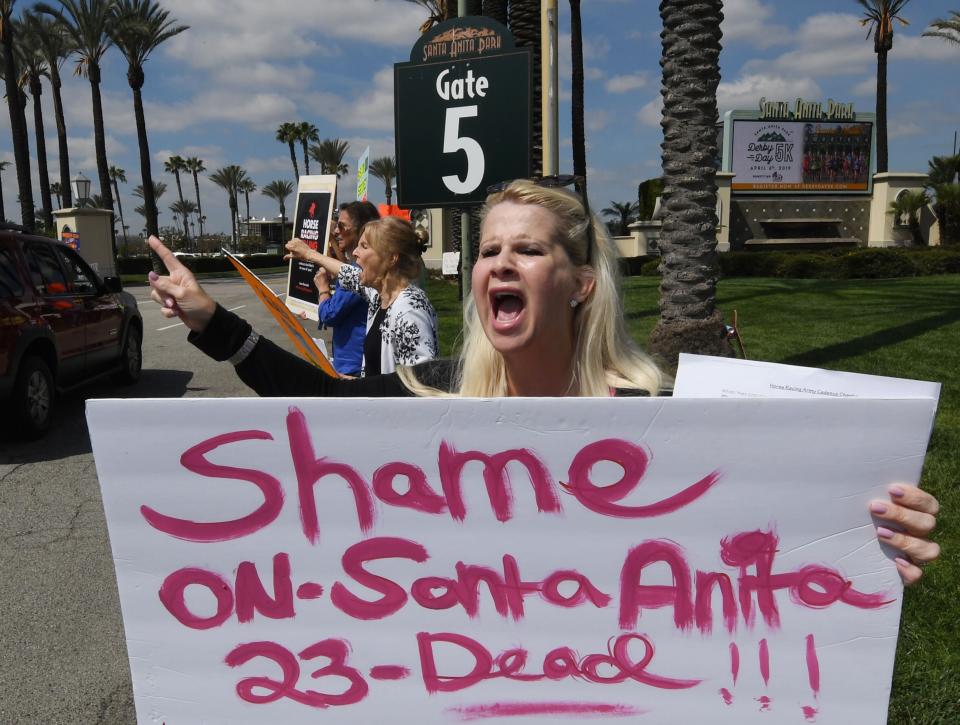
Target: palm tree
pixel 576 88
pixel 385 169
pixel 287 133
pixel 138 27
pixel 524 18
pixel 18 121
pixel 941 172
pixel 119 175
pixel 87 24
pixel 55 189
pixel 623 213
pixel 279 190
pixel 329 154
pixel 879 16
pixel 195 166
pixel 946 28
pixel 53 44
pixel 33 67
pixel 439 10
pixel 3 166
pixel 174 165
pixel 689 320
pixel 306 133
pixel 229 179
pixel 159 189
pixel 247 187
pixel 909 205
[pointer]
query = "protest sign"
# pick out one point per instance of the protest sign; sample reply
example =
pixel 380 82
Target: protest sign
pixel 363 174
pixel 311 223
pixel 306 345
pixel 683 560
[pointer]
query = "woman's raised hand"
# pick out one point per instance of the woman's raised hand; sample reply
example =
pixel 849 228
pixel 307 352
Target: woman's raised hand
pixel 299 249
pixel 912 515
pixel 179 294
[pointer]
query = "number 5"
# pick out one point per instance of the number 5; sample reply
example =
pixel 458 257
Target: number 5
pixel 453 142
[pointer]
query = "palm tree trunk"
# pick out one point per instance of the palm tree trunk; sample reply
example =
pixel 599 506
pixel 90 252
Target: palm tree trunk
pixel 3 214
pixel 123 228
pixel 306 159
pixel 246 199
pixel 524 18
pixel 881 110
pixel 689 320
pixel 47 211
pixel 576 105
pixel 233 221
pixel 293 158
pixel 99 137
pixel 135 79
pixel 196 188
pixel 18 125
pixel 61 139
pixel 186 219
pixel 496 9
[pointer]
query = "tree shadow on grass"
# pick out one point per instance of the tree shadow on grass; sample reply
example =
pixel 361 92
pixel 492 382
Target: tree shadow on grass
pixel 68 435
pixel 874 341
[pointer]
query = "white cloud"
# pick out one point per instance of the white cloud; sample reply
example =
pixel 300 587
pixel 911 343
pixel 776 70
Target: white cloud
pixel 625 83
pixel 652 112
pixel 747 20
pixel 597 120
pixel 898 128
pixel 370 108
pixel 867 87
pixel 746 91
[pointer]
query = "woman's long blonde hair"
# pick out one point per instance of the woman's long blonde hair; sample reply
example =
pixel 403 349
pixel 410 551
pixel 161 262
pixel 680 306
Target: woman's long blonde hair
pixel 604 355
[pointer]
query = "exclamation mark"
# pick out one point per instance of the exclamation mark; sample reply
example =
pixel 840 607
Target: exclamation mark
pixel 764 673
pixel 813 676
pixel 734 671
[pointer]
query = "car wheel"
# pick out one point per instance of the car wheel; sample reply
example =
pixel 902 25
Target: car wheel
pixel 131 361
pixel 33 397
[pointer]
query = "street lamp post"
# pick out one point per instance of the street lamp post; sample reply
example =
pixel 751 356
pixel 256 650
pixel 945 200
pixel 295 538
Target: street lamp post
pixel 80 185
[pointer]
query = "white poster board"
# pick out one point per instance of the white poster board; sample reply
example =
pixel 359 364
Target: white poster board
pixel 436 561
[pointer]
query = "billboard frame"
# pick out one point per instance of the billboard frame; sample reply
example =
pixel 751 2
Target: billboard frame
pixel 755 115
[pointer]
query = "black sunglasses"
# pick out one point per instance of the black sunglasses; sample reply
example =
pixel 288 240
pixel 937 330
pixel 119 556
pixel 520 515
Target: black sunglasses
pixel 557 181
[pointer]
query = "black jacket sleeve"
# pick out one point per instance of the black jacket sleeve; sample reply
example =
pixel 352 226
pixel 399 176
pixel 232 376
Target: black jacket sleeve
pixel 271 371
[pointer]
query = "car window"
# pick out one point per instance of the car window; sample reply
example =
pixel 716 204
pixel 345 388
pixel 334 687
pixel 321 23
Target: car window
pixel 80 278
pixel 10 285
pixel 45 269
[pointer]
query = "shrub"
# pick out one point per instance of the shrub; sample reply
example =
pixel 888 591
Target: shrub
pixel 843 263
pixel 651 268
pixel 807 266
pixel 876 264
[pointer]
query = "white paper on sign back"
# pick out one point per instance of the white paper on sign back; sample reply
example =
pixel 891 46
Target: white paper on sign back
pixel 648 560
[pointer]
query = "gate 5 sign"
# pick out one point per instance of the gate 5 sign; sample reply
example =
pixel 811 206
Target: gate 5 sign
pixel 463 119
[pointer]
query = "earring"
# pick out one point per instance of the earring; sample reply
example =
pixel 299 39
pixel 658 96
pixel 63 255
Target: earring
pixel 574 302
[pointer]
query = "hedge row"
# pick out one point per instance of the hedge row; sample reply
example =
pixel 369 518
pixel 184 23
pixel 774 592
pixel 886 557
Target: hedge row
pixel 870 263
pixel 141 265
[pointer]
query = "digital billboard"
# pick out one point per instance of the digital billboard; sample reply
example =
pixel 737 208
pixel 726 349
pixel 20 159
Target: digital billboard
pixel 801 156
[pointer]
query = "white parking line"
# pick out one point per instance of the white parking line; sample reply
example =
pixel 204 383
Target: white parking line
pixel 178 324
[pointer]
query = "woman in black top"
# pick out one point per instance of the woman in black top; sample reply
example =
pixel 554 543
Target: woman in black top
pixel 544 319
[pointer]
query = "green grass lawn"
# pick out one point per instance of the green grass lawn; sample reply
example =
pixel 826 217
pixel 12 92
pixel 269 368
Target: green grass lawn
pixel 907 328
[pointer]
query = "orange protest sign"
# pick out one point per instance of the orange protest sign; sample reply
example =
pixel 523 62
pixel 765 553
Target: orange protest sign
pixel 288 321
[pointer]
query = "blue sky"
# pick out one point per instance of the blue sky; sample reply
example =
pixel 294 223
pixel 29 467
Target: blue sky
pixel 219 90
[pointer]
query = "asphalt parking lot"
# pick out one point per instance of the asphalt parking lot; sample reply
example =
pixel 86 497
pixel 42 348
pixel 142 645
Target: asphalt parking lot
pixel 63 657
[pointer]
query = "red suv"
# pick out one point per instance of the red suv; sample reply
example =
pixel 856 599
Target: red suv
pixel 60 326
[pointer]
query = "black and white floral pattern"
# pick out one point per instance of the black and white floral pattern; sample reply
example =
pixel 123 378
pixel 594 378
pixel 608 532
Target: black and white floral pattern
pixel 409 329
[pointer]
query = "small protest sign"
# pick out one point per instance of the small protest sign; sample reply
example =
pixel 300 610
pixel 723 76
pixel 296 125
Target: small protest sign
pixel 311 223
pixel 670 560
pixel 363 174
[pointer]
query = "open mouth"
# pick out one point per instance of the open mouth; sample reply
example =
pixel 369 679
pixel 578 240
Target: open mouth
pixel 507 306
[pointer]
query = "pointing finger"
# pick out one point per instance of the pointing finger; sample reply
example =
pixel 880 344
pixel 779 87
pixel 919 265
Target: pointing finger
pixel 166 256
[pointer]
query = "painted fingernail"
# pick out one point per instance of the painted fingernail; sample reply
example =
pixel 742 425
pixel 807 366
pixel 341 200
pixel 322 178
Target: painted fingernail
pixel 896 490
pixel 153 276
pixel 884 533
pixel 878 507
pixel 902 562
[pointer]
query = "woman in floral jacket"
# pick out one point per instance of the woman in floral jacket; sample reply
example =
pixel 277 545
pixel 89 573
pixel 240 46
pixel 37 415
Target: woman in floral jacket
pixel 401 322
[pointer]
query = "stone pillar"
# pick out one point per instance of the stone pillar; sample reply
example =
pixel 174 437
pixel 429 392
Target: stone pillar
pixel 884 232
pixel 724 181
pixel 88 231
